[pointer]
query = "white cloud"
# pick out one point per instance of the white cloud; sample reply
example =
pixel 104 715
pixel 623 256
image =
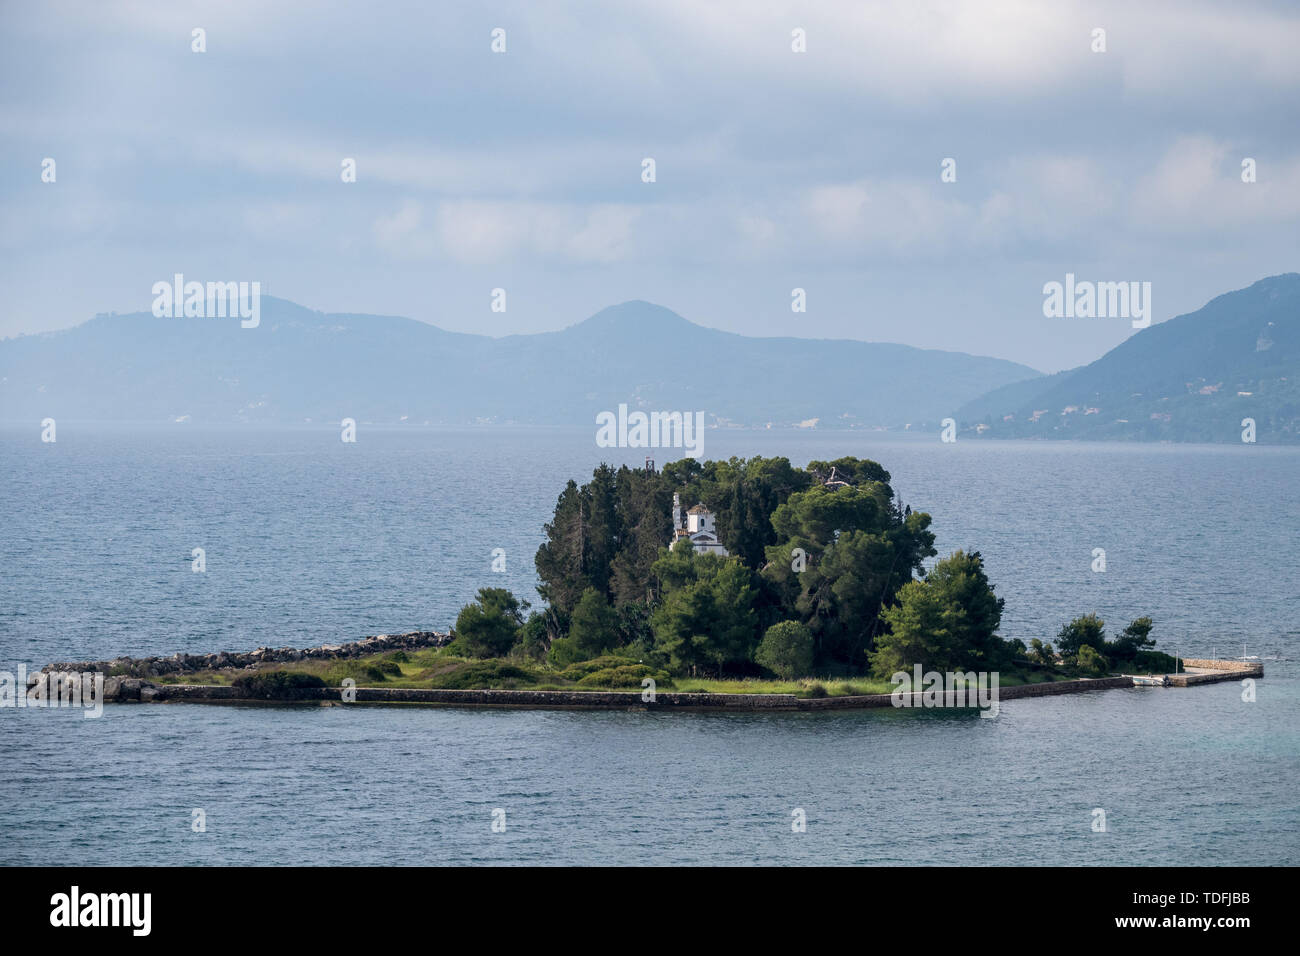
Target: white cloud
pixel 1197 186
pixel 402 233
pixel 488 232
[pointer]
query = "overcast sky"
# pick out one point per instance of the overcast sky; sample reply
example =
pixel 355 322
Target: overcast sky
pixel 775 169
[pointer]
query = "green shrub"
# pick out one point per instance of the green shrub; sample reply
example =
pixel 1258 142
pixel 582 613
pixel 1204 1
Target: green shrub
pixel 581 669
pixel 358 671
pixel 565 651
pixel 400 657
pixel 1040 653
pixel 533 639
pixel 487 628
pixel 629 675
pixel 277 685
pixel 786 649
pixel 1091 663
pixel 816 690
pixel 483 674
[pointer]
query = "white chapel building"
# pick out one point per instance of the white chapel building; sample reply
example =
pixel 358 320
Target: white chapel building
pixel 699 529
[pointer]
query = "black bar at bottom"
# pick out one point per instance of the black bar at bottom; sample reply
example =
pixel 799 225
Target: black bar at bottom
pixel 369 905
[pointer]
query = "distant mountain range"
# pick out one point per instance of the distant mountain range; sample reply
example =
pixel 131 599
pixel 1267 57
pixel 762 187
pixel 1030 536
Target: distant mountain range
pixel 299 365
pixel 1193 378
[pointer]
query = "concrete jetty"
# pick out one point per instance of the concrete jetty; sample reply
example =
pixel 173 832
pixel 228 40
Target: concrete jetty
pixel 1209 671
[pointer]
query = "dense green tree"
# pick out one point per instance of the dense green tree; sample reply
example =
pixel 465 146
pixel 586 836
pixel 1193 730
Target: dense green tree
pixel 706 617
pixel 922 629
pixel 855 471
pixel 565 651
pixel 1086 629
pixel 644 509
pixel 1016 652
pixel 1132 641
pixel 1041 653
pixel 1091 663
pixel 832 543
pixel 961 580
pixel 684 472
pixel 758 487
pixel 533 639
pixel 488 627
pixel 786 649
pixel 957 600
pixel 676 567
pixel 562 558
pixel 582 540
pixel 735 633
pixel 842 594
pixel 605 527
pixel 858 548
pixel 593 626
pixel 818 516
pixel 633 622
pixel 680 625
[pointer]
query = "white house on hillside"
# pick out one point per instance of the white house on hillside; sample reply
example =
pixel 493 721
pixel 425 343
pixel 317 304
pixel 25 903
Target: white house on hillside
pixel 699 529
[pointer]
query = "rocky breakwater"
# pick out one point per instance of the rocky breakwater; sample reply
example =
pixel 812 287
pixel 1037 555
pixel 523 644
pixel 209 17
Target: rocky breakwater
pixel 179 664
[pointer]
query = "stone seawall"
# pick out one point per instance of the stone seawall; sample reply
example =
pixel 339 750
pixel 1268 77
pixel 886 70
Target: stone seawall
pixel 1004 693
pixel 120 689
pixel 144 667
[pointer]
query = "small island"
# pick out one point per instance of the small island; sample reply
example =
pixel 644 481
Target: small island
pixel 779 586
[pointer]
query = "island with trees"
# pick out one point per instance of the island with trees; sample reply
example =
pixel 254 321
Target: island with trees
pixel 823 590
pixel 793 582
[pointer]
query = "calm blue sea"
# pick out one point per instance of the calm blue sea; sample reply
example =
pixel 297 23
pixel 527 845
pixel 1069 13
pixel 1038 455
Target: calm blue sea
pixel 309 540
